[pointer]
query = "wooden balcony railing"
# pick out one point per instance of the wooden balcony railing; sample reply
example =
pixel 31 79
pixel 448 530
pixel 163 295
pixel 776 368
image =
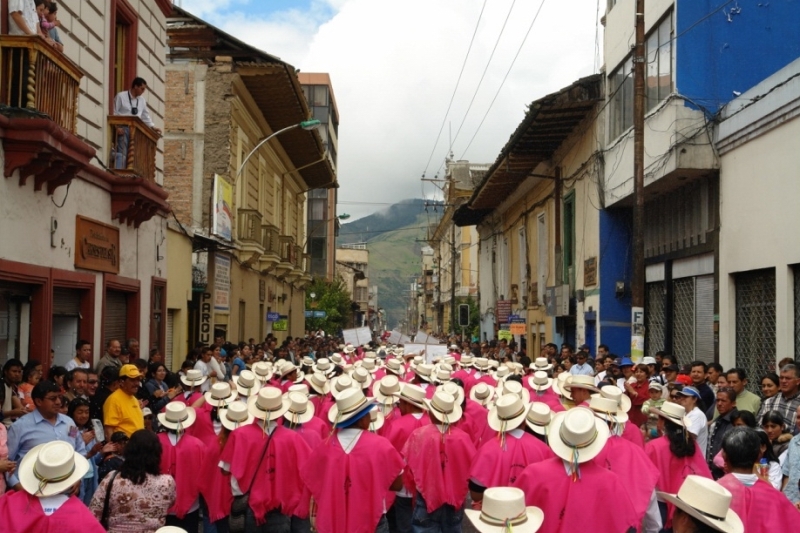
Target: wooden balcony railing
pixel 33 75
pixel 249 226
pixel 140 157
pixel 298 257
pixel 270 240
pixel 287 249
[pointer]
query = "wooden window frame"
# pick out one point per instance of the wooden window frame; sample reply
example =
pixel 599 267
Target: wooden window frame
pixel 122 10
pixel 162 334
pixel 133 288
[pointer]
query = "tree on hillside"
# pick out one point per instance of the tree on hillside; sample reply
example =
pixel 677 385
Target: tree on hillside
pixel 333 298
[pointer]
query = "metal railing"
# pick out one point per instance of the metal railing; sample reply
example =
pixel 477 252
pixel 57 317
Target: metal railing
pixel 139 159
pixel 249 226
pixel 36 76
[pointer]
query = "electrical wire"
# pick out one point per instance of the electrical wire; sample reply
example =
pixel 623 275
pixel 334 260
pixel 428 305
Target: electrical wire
pixel 458 81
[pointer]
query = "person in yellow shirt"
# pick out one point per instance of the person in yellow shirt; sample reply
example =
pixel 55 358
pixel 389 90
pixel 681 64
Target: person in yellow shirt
pixel 121 411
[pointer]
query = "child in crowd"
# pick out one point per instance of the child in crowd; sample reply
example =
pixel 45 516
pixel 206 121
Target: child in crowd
pixel 656 401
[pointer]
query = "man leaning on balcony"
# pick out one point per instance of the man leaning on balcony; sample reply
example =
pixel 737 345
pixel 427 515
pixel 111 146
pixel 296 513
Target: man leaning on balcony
pixel 24 18
pixel 130 103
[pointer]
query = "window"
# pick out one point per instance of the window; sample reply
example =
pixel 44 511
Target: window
pixel 658 82
pixel 123 53
pixel 659 63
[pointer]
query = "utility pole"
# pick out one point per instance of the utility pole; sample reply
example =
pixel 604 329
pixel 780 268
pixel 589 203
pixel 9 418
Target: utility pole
pixel 637 283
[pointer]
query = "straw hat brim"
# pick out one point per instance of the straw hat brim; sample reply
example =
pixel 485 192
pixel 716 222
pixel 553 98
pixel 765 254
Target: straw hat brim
pixel 247 392
pixel 540 388
pixel 731 524
pixel 300 418
pixel 366 384
pixel 535 518
pixel 220 402
pixel 257 412
pixel 625 403
pixel 484 401
pixel 427 379
pixel 193 383
pixel 336 393
pixel 619 417
pixel 333 414
pixel 459 396
pixel 680 421
pixel 561 392
pixel 191 416
pixel 586 386
pixel 325 389
pixel 537 428
pixel 30 484
pixel 542 368
pixel 513 423
pixel 564 450
pixel 379 421
pixel 413 402
pixel 230 425
pixel 445 418
pixel 381 397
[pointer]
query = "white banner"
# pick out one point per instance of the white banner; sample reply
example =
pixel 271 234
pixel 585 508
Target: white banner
pixel 357 336
pixel 431 350
pixel 422 338
pixel 395 337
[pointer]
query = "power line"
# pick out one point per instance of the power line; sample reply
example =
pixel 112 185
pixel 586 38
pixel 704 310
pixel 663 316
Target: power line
pixel 535 17
pixel 458 81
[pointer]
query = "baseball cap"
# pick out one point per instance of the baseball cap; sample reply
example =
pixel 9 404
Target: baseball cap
pixel 649 360
pixel 626 362
pixel 683 379
pixel 689 391
pixel 119 436
pixel 671 368
pixel 129 371
pixel 655 386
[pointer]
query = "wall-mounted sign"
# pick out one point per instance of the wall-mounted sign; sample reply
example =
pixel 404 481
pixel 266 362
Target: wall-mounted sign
pixel 222 283
pixel 503 311
pixel 96 245
pixel 273 316
pixel 222 216
pixel 590 272
pixel 206 319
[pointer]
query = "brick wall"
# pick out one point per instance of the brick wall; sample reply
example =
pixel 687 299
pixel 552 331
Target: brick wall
pixel 180 93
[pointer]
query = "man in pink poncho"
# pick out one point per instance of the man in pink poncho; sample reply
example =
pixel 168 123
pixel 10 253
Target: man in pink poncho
pixel 566 487
pixel 439 457
pixel 50 476
pixel 351 473
pixel 762 508
pixel 412 406
pixel 264 459
pixel 500 461
pixel 541 389
pixel 703 505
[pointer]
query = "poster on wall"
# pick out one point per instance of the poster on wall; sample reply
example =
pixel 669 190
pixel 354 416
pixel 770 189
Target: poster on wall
pixel 222 216
pixel 222 283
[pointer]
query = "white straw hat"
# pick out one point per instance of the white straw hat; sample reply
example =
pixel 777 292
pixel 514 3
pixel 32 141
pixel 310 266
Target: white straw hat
pixel 507 413
pixel 558 386
pixel 615 393
pixel 580 382
pixel 467 360
pixel 51 468
pixel 539 381
pixel 177 416
pixel 673 412
pixel 362 378
pixel 424 371
pixel 301 388
pixel 236 415
pixel 539 417
pixel 481 393
pixel 413 394
pixel 319 383
pixel 170 529
pixel 340 385
pixel 454 389
pixel 349 404
pixel 607 409
pixel 300 409
pixel 193 378
pixel 323 365
pixel 376 420
pixel 444 408
pixel 577 436
pixel 387 390
pixel 513 387
pixel 247 384
pixel 707 501
pixel 268 404
pixel 540 363
pixel 220 394
pixel 262 371
pixel 503 509
pixel 395 366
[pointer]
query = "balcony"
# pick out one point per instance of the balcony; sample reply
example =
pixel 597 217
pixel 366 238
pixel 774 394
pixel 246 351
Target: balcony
pixel 286 265
pixel 305 277
pixel 270 242
pixel 140 160
pixel 248 235
pixel 38 78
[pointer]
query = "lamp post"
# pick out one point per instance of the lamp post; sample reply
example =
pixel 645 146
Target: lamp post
pixel 307 125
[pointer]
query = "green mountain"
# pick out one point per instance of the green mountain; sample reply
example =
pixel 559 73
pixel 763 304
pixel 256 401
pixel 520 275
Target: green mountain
pixel 394 239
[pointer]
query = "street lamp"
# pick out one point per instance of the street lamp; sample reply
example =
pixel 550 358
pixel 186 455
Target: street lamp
pixel 343 216
pixel 307 125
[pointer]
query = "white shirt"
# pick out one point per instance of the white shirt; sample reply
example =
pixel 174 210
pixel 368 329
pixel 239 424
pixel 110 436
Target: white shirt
pixel 348 438
pixel 204 369
pixel 124 102
pixel 73 364
pixel 51 504
pixel 28 10
pixel 599 377
pixel 698 428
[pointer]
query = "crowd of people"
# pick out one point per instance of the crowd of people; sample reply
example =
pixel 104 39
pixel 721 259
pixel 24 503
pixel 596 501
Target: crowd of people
pixel 312 434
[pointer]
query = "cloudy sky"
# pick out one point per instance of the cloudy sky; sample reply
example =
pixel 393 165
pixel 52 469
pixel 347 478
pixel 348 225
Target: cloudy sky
pixel 395 67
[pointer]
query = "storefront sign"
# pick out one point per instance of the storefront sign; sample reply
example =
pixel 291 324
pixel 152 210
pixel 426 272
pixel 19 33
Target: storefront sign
pixel 206 319
pixel 590 272
pixel 222 283
pixel 517 329
pixel 222 217
pixel 503 311
pixel 96 246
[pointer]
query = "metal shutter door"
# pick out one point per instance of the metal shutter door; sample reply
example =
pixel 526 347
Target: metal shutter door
pixel 655 318
pixel 683 318
pixel 66 302
pixel 168 345
pixel 755 323
pixel 704 318
pixel 116 317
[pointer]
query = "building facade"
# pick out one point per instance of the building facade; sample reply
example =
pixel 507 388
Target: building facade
pixel 241 168
pixel 352 266
pixel 82 237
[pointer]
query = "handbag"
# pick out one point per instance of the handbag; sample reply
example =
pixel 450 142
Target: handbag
pixel 104 518
pixel 236 521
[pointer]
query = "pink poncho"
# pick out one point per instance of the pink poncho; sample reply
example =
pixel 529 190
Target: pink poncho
pixel 350 489
pixel 216 483
pixel 674 470
pixel 466 378
pixel 761 508
pixel 277 481
pixel 314 432
pixel 182 462
pixel 475 423
pixel 496 466
pixel 633 434
pixel 547 397
pixel 439 465
pixel 403 427
pixel 22 513
pixel 573 506
pixel 637 473
pixel 485 378
pixel 322 404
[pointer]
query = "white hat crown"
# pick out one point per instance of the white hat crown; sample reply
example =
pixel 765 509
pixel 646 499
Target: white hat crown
pixel 539 413
pixel 237 412
pixel 503 506
pixel 481 391
pixel 707 496
pixel 509 406
pixel 246 379
pixel 220 391
pixel 269 399
pixel 389 386
pixel 579 428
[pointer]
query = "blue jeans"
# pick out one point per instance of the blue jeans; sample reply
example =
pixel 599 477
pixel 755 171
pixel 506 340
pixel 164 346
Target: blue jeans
pixel 445 519
pixel 383 525
pixel 402 514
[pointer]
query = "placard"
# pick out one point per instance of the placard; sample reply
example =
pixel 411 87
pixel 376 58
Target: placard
pixel 222 216
pixel 357 336
pixel 517 328
pixel 431 350
pixel 395 337
pixel 423 338
pixel 222 283
pixel 96 245
pixel 505 335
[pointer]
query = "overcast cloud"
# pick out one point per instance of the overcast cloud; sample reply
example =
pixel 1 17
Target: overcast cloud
pixel 394 66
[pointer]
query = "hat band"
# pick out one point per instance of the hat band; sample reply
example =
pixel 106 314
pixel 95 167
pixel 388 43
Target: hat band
pixel 512 417
pixel 299 412
pixel 264 410
pixel 507 522
pixel 440 409
pixel 708 515
pixel 43 481
pixel 409 398
pixel 580 445
pixel 354 408
pixel 184 419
